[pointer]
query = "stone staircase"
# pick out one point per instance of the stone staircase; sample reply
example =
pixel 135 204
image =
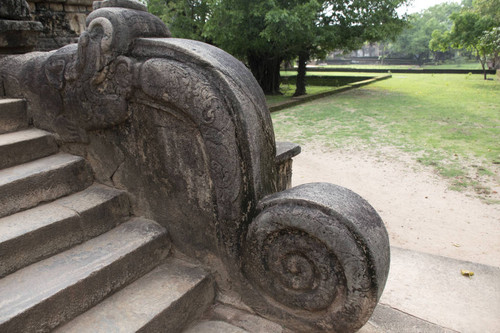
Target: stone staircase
pixel 72 255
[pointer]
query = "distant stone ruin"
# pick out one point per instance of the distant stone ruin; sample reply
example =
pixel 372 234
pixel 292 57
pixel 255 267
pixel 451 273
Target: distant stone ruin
pixel 63 21
pixel 37 25
pixel 18 33
pixel 183 129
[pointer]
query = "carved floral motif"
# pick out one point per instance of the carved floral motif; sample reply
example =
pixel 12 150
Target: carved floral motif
pixel 186 89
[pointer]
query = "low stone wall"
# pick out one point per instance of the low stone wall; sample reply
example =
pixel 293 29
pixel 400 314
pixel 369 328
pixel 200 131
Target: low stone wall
pixel 307 98
pixel 326 81
pixel 397 70
pixel 63 21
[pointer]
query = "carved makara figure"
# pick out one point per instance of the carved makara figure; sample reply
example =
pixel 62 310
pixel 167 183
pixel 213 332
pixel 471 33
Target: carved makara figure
pixel 184 128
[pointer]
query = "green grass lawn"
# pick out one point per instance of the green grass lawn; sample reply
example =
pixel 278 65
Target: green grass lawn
pixel 448 121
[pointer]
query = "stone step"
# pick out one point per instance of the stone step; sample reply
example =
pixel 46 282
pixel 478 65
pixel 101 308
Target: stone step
pixel 245 320
pixel 46 179
pixel 165 300
pixel 214 326
pixel 12 115
pixel 24 146
pixel 37 233
pixel 44 295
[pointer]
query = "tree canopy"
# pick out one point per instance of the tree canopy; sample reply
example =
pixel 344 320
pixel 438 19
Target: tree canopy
pixel 264 33
pixel 185 19
pixel 414 40
pixel 474 28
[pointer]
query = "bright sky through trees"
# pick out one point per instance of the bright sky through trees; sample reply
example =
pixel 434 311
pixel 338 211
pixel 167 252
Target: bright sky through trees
pixel 419 5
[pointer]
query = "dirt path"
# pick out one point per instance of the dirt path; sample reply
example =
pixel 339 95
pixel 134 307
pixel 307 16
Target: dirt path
pixel 419 211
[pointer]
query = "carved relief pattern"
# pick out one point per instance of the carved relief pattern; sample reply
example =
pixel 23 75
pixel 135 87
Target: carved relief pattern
pixel 89 85
pixel 186 89
pixel 310 266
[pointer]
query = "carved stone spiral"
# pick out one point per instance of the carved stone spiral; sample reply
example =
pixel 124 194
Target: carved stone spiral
pixel 313 261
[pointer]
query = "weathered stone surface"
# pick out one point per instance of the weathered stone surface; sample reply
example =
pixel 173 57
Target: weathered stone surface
pixel 62 20
pixel 244 320
pixel 165 300
pixel 285 151
pixel 46 294
pixel 46 179
pixel 80 2
pixel 24 146
pixel 37 233
pixel 12 114
pixel 17 33
pixel 14 10
pixel 96 88
pixel 212 326
pixel 130 4
pixel 321 248
pixel 18 36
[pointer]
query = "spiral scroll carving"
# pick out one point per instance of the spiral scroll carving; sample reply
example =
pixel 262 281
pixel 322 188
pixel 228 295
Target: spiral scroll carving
pixel 312 263
pixel 301 270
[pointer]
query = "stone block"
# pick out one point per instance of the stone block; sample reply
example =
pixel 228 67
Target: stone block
pixel 71 8
pixel 60 224
pixel 24 146
pixel 12 114
pixel 49 178
pixel 41 296
pixel 165 300
pixel 76 22
pixel 18 36
pixel 57 7
pixel 14 10
pixel 80 2
pixel 32 6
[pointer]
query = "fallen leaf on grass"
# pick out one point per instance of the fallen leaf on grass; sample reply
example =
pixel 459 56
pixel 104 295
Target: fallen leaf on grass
pixel 456 244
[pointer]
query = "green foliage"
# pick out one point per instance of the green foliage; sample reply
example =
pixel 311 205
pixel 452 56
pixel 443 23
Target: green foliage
pixel 266 32
pixel 468 27
pixel 346 25
pixel 414 41
pixel 185 18
pixel 440 41
pixel 475 29
pixel 490 43
pixel 488 8
pixel 270 27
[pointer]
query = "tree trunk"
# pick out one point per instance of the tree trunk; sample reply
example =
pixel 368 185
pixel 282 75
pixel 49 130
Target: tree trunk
pixel 266 70
pixel 300 86
pixel 483 63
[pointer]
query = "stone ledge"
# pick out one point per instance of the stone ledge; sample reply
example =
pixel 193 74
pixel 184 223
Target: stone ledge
pixel 18 36
pixel 13 25
pixel 286 151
